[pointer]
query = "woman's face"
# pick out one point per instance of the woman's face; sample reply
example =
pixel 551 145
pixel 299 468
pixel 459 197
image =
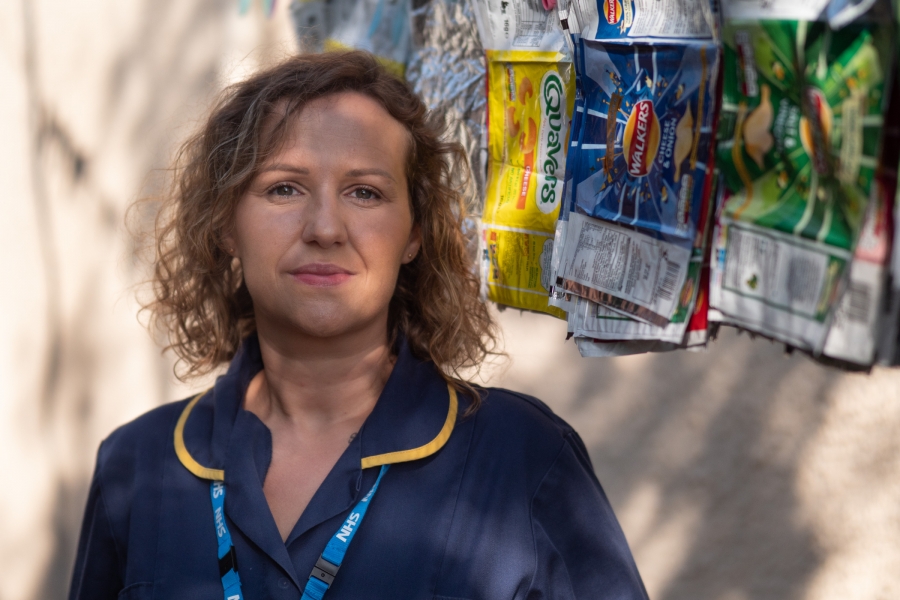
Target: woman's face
pixel 324 228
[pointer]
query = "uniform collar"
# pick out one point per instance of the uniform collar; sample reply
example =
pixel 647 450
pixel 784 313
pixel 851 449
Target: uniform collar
pixel 413 418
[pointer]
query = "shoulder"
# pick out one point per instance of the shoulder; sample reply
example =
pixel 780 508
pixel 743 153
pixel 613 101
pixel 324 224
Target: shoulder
pixel 505 407
pixel 521 431
pixel 140 440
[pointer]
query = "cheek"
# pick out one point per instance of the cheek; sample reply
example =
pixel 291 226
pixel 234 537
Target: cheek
pixel 381 241
pixel 261 237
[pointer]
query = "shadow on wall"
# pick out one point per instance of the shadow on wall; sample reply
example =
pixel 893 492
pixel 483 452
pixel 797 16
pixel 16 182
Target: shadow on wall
pixel 706 421
pixel 699 454
pixel 101 116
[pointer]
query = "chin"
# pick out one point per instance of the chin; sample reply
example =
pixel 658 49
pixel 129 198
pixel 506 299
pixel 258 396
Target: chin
pixel 323 316
pixel 332 320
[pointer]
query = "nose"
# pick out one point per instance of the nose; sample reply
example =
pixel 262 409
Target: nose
pixel 323 221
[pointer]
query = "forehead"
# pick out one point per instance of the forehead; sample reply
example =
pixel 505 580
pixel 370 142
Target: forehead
pixel 344 127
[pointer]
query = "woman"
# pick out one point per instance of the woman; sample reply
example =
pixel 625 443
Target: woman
pixel 314 241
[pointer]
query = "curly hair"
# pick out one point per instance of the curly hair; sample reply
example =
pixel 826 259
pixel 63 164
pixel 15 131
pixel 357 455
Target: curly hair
pixel 199 294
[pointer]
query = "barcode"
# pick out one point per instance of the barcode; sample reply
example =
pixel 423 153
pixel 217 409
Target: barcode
pixel 670 280
pixel 859 299
pixel 804 280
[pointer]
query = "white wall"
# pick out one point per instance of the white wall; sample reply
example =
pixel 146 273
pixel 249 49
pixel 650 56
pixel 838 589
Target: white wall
pixel 93 96
pixel 737 473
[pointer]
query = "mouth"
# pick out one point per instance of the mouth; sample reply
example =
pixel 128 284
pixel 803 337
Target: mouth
pixel 321 274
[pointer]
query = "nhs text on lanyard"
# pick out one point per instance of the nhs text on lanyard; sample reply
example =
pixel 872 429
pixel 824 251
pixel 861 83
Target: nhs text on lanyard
pixel 327 566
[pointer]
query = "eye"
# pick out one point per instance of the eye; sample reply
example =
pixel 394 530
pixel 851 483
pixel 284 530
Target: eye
pixel 364 193
pixel 283 189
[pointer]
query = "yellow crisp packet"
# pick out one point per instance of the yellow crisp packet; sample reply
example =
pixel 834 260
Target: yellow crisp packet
pixel 530 100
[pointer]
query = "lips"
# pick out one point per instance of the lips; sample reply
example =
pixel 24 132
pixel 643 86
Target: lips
pixel 321 274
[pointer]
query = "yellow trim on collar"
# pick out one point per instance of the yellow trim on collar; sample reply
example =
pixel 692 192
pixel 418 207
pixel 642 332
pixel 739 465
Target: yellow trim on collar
pixel 182 452
pixel 369 461
pixel 422 451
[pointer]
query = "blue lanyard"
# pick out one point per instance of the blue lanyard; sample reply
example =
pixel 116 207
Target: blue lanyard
pixel 327 566
pixel 330 561
pixel 231 581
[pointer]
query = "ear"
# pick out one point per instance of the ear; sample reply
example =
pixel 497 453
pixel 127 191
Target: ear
pixel 229 245
pixel 412 245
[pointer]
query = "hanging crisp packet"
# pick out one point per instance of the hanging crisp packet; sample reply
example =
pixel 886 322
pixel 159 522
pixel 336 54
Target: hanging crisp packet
pixel 800 150
pixel 603 323
pixel 796 10
pixel 640 174
pixel 518 25
pixel 800 132
pixel 698 329
pixel 446 69
pixel 779 285
pixel 612 19
pixel 647 134
pixel 626 270
pixel 530 97
pixel 377 26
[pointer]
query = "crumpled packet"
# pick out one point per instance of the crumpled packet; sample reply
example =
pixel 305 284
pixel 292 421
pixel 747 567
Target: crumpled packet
pixel 519 25
pixel 613 19
pixel 647 134
pixel 447 70
pixel 530 102
pixel 381 27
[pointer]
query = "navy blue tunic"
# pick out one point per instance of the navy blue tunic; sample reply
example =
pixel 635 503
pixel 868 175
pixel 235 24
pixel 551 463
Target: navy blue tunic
pixel 508 507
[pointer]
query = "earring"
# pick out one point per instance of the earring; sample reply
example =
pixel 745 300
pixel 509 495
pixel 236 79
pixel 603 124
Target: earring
pixel 409 255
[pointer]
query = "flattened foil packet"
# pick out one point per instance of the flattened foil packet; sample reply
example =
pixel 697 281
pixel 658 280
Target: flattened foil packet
pixel 381 27
pixel 795 10
pixel 628 271
pixel 446 68
pixel 614 19
pixel 800 136
pixel 647 134
pixel 838 13
pixel 519 25
pixel 600 322
pixel 782 286
pixel 530 98
pixel 853 334
pixel 799 148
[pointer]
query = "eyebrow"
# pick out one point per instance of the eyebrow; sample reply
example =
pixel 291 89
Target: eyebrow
pixel 352 173
pixel 280 167
pixel 381 172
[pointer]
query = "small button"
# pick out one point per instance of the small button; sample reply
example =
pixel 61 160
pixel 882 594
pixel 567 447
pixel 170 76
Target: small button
pixel 284 583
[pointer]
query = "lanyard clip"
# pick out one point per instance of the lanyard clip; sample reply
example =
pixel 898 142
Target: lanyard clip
pixel 324 571
pixel 228 562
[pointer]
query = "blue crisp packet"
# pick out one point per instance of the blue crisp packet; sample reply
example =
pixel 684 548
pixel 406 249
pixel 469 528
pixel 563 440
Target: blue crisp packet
pixel 646 134
pixel 614 19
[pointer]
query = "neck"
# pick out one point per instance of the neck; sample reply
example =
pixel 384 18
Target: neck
pixel 317 383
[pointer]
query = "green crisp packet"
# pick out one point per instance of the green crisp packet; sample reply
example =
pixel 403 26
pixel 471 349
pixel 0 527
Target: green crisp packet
pixel 801 126
pixel 800 136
